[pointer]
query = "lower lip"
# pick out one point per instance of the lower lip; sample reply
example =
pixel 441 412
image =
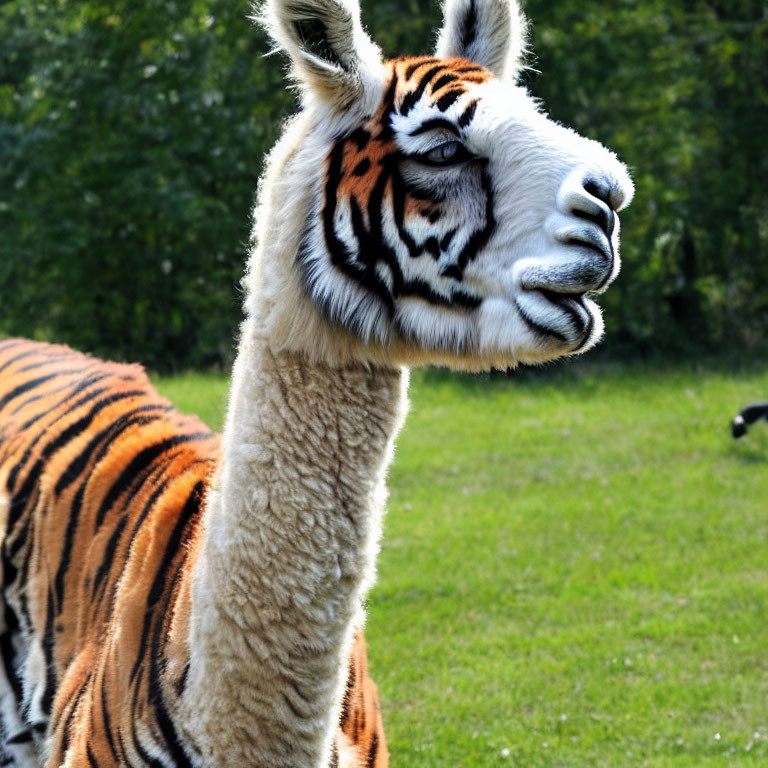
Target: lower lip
pixel 572 303
pixel 575 306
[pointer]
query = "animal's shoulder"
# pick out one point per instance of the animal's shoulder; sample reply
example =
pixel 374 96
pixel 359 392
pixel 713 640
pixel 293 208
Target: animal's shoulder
pixel 66 416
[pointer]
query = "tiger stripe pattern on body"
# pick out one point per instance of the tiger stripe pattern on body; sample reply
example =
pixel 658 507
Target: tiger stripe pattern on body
pixel 102 484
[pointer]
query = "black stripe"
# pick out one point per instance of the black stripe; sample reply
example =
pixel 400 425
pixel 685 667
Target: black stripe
pixel 469 27
pixel 410 99
pixel 435 122
pixel 373 751
pixel 350 685
pixel 50 393
pixel 480 238
pixel 71 473
pixel 423 290
pixel 537 327
pixel 362 167
pixel 181 684
pixel 7 648
pixel 65 731
pixel 448 238
pixel 191 509
pixel 47 643
pixel 20 499
pixel 146 629
pixel 432 247
pixel 78 387
pixel 66 552
pixel 361 137
pixel 70 433
pixel 148 618
pixel 444 80
pixel 23 736
pixel 469 113
pixel 139 462
pixel 150 503
pixel 21 356
pixel 420 63
pixel 55 359
pixel 108 722
pixel 143 754
pixel 452 271
pixel 27 386
pixel 449 99
pixel 163 718
pixel 155 690
pixel 91 759
pixel 386 131
pixel 340 254
pixel 427 195
pixel 121 744
pixel 11 343
pixel 108 557
pixel 398 210
pixel 107 436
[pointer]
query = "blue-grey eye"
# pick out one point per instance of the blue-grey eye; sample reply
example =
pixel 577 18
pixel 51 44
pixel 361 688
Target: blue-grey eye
pixel 444 153
pixel 449 153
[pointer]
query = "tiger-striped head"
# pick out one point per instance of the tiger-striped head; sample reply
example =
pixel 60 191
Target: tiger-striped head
pixel 443 217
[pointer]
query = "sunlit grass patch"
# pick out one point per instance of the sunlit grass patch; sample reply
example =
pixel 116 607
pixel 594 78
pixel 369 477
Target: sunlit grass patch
pixel 574 572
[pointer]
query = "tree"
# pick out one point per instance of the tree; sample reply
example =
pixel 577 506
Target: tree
pixel 132 136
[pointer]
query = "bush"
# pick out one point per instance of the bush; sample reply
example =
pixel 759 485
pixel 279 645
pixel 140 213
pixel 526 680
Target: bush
pixel 132 136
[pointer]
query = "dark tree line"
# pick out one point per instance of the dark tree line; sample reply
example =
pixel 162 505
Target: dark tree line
pixel 132 136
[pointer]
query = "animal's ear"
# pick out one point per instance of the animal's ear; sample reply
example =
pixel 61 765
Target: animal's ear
pixel 332 57
pixel 491 33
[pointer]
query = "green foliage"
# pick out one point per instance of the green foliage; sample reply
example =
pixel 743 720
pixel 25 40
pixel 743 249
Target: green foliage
pixel 132 140
pixel 132 136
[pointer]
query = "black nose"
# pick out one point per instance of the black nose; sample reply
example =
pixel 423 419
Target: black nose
pixel 604 216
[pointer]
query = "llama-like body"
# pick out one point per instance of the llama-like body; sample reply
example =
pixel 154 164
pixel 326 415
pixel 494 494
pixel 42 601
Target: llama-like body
pixel 173 601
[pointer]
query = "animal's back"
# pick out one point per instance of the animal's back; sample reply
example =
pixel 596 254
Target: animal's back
pixel 102 485
pixel 101 488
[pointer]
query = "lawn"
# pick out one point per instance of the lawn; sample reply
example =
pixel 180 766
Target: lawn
pixel 574 572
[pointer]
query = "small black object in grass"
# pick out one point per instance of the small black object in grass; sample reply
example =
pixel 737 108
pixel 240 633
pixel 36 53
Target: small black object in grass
pixel 747 416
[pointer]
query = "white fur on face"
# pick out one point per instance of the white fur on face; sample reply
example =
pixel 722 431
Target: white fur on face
pixel 489 260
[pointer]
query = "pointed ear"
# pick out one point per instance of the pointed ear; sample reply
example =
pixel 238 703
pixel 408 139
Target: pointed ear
pixel 332 57
pixel 491 33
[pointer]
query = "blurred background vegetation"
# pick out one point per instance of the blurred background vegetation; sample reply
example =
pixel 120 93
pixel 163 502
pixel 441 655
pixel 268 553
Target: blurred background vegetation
pixel 132 136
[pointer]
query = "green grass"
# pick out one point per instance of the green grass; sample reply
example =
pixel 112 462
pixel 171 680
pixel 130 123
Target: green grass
pixel 574 572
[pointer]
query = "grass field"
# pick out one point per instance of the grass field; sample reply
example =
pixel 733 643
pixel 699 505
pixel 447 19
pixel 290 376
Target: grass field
pixel 574 572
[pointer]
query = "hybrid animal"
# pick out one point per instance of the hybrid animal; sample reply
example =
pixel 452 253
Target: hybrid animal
pixel 172 599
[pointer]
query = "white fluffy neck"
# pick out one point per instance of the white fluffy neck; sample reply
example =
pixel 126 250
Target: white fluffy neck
pixel 291 533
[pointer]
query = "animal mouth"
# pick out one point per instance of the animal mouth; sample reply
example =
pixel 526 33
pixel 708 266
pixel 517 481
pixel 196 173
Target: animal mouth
pixel 574 305
pixel 572 321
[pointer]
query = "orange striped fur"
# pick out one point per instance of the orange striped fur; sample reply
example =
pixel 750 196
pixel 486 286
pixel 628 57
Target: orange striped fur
pixel 102 487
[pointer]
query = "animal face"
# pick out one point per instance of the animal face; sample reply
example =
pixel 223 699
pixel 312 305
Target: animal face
pixel 451 219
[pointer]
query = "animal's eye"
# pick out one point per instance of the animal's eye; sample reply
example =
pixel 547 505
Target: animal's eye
pixel 450 153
